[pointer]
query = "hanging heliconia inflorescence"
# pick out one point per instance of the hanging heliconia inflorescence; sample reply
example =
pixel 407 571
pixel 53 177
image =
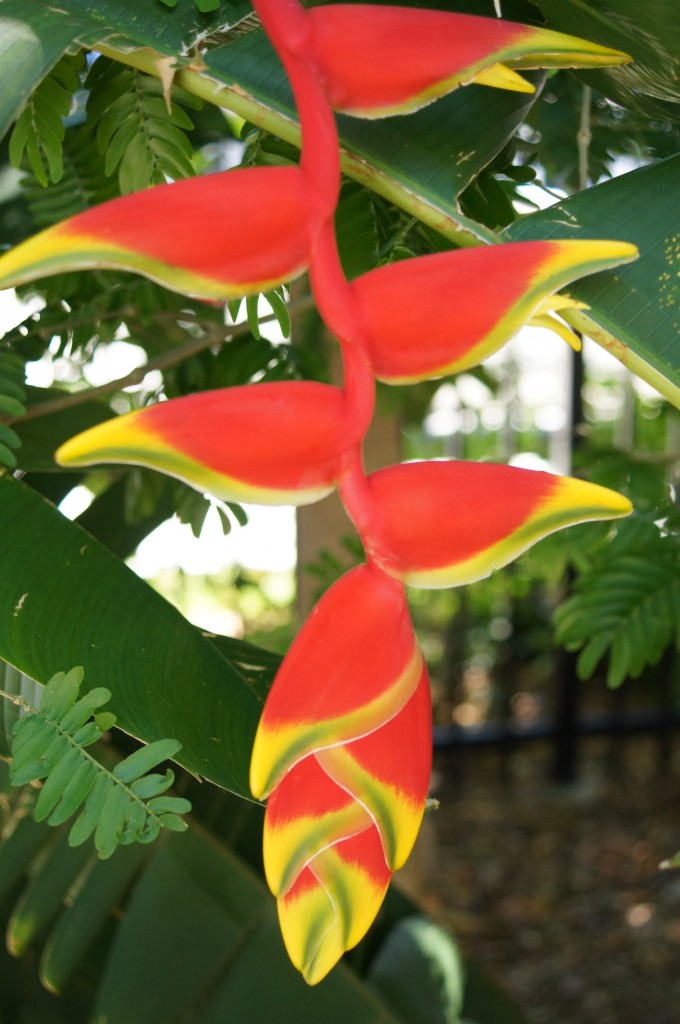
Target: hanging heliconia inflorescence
pixel 343 749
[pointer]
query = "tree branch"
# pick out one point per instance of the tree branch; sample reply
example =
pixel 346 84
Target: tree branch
pixel 215 335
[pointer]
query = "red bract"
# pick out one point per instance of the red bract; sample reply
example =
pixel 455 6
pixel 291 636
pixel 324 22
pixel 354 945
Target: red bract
pixel 441 524
pixel 353 665
pixel 273 444
pixel 440 314
pixel 214 237
pixel 391 60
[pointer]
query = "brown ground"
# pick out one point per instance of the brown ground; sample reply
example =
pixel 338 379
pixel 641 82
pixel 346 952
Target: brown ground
pixel 557 891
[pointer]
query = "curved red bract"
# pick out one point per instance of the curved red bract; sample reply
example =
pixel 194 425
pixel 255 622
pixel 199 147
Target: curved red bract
pixel 386 58
pixel 277 443
pixel 216 236
pixel 444 523
pixel 443 313
pixel 354 664
pixel 380 60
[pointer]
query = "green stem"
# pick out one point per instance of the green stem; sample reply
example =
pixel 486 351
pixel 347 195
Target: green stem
pixel 458 228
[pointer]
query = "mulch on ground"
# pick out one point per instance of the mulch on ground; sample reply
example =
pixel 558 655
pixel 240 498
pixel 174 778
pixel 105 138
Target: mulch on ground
pixel 557 891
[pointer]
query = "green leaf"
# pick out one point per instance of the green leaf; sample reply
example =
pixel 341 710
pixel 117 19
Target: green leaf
pixel 111 821
pixel 21 840
pixel 77 789
pixel 11 406
pixel 33 36
pixel 152 785
pixel 142 760
pixel 135 131
pixel 87 735
pixel 280 310
pixel 52 747
pixel 86 823
pixel 634 308
pixel 56 783
pixel 83 708
pixel 7 457
pixel 37 755
pixel 626 604
pixel 174 804
pixel 53 873
pixel 105 721
pixel 66 599
pixel 61 693
pixel 100 888
pixel 253 316
pixel 39 133
pixel 196 932
pixel 418 971
pixel 9 437
pixel 173 822
pixel 356 230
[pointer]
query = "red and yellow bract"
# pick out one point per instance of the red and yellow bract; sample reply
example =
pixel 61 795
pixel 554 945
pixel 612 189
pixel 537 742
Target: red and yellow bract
pixel 215 237
pixel 343 749
pixel 440 314
pixel 273 444
pixel 377 61
pixel 442 524
pixel 316 700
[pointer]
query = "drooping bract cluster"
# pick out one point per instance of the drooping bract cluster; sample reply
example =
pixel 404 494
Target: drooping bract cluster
pixel 343 749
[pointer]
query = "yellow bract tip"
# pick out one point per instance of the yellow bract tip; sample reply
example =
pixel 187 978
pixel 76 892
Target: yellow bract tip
pixel 501 77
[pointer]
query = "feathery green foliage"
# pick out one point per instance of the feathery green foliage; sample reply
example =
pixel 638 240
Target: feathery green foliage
pixel 139 131
pixel 12 404
pixel 120 806
pixel 82 182
pixel 627 603
pixel 39 132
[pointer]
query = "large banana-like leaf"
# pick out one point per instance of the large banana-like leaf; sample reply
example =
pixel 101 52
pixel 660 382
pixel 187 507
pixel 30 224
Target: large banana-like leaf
pixel 633 310
pixel 197 931
pixel 66 600
pixel 210 942
pixel 31 41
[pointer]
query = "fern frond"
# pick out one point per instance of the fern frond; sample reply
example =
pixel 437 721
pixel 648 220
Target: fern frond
pixel 39 132
pixel 628 606
pixel 12 404
pixel 120 806
pixel 82 183
pixel 138 136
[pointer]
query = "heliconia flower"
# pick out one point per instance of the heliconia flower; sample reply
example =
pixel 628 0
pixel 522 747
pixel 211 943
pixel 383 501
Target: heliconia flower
pixel 381 60
pixel 442 524
pixel 433 315
pixel 217 236
pixel 344 750
pixel 272 444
